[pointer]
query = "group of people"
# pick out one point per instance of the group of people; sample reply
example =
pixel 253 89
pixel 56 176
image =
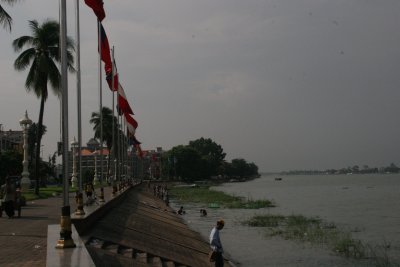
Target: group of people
pixel 160 191
pixel 10 199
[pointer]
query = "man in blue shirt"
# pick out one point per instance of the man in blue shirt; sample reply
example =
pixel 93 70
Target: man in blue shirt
pixel 215 243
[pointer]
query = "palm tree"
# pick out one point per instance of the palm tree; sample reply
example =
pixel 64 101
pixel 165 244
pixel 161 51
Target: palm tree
pixel 108 119
pixel 40 57
pixel 5 18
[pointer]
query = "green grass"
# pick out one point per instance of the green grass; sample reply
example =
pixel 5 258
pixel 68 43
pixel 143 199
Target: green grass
pixel 315 231
pixel 49 191
pixel 44 192
pixel 204 194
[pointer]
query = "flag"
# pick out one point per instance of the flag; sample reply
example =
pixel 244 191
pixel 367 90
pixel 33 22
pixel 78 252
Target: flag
pixel 131 124
pixel 109 78
pixel 97 6
pixel 132 140
pixel 139 151
pixel 123 105
pixel 105 50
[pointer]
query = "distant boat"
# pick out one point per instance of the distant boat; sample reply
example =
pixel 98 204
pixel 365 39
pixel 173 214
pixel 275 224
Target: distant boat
pixel 278 179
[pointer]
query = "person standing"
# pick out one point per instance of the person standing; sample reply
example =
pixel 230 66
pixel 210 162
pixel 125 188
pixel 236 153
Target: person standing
pixel 216 245
pixel 9 198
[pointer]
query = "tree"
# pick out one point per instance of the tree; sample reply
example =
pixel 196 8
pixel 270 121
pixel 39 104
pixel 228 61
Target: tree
pixel 40 57
pixel 5 18
pixel 10 164
pixel 239 167
pixel 188 162
pixel 32 138
pixel 211 153
pixel 108 119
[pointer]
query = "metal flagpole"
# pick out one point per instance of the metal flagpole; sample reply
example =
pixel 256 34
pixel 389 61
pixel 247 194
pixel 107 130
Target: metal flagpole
pixel 120 128
pixel 78 92
pixel 79 210
pixel 101 121
pixel 113 125
pixel 65 240
pixel 96 179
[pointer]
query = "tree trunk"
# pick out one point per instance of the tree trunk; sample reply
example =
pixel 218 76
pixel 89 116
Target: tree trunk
pixel 38 145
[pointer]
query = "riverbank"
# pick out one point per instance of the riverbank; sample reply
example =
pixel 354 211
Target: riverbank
pixel 216 199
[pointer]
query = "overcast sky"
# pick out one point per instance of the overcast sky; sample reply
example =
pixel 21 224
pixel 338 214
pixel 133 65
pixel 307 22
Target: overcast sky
pixel 286 84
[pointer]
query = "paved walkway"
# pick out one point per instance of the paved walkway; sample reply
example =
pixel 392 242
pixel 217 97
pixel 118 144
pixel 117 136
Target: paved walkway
pixel 23 241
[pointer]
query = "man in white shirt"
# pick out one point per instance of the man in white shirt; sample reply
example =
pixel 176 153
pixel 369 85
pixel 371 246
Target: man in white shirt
pixel 215 243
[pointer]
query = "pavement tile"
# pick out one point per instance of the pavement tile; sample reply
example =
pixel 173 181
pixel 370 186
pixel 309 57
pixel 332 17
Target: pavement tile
pixel 23 241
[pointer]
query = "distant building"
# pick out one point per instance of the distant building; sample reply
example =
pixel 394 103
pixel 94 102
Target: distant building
pixel 11 140
pixel 149 166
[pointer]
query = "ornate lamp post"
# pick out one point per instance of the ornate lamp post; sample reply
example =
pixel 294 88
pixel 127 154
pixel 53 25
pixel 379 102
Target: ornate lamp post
pixel 25 123
pixel 74 179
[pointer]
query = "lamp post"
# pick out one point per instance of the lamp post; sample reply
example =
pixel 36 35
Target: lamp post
pixel 25 123
pixel 74 179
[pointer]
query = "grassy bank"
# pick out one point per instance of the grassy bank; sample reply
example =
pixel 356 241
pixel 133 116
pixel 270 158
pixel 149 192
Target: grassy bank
pixel 44 192
pixel 49 191
pixel 316 231
pixel 203 194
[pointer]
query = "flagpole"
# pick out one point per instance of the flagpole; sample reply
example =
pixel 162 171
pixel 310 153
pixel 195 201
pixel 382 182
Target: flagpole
pixel 65 240
pixel 119 147
pixel 78 92
pixel 101 116
pixel 113 122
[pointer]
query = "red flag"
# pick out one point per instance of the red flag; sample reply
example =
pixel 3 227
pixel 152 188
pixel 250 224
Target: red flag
pixel 131 124
pixel 105 50
pixel 109 81
pixel 123 105
pixel 97 6
pixel 109 78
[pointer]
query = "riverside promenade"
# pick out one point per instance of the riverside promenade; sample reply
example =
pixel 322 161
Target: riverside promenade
pixel 23 241
pixel 132 229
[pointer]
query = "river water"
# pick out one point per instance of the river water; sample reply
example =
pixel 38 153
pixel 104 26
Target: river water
pixel 365 205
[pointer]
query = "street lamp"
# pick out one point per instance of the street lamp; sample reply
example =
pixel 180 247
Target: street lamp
pixel 25 123
pixel 74 179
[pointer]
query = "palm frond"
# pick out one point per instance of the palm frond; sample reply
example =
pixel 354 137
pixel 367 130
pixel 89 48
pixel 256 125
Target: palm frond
pixel 31 77
pixel 54 77
pixel 23 60
pixel 20 42
pixel 5 19
pixel 10 2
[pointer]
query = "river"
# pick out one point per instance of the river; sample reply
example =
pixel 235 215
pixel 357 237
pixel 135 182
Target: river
pixel 365 205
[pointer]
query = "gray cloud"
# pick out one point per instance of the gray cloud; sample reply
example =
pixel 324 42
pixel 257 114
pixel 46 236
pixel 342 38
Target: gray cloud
pixel 286 84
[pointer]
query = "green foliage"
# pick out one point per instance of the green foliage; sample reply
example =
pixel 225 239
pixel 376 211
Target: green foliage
pixel 203 159
pixel 240 168
pixel 108 119
pixel 40 58
pixel 5 18
pixel 45 193
pixel 87 175
pixel 212 155
pixel 265 221
pixel 10 164
pixel 316 231
pixel 203 194
pixel 187 164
